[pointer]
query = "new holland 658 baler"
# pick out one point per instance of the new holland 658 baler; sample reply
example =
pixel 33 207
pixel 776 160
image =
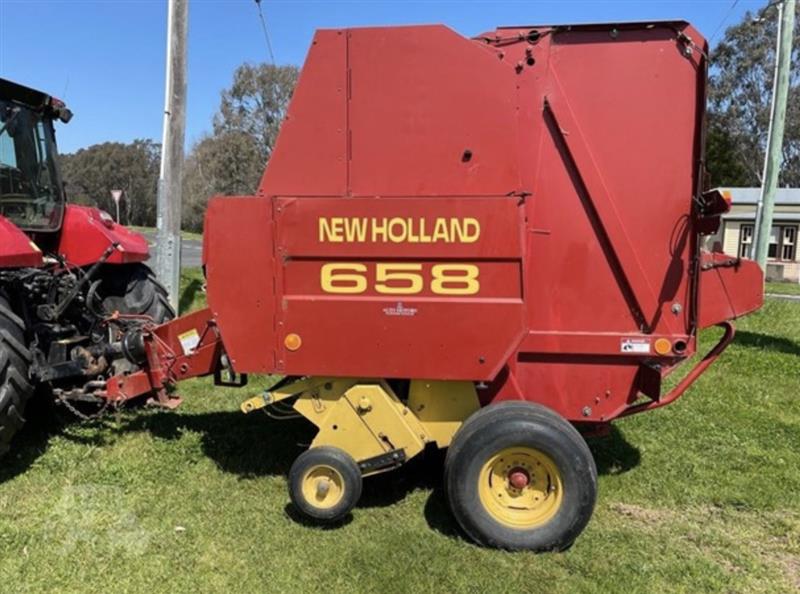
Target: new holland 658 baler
pixel 490 244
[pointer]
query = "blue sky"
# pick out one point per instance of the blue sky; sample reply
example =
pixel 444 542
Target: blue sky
pixel 106 57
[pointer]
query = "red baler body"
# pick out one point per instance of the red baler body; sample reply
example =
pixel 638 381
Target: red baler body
pixel 517 209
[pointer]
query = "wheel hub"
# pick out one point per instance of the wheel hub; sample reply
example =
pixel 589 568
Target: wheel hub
pixel 519 478
pixel 323 487
pixel 521 487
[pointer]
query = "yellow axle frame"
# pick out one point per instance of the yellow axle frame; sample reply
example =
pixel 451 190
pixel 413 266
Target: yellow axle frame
pixel 366 419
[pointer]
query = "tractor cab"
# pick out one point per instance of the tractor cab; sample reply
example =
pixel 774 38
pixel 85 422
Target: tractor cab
pixel 31 192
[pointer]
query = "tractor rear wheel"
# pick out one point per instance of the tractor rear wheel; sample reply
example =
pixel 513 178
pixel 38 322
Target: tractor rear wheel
pixel 133 289
pixel 520 477
pixel 325 484
pixel 15 387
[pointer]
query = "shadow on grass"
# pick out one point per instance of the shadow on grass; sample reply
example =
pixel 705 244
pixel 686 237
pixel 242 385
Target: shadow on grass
pixel 33 439
pixel 255 445
pixel 188 294
pixel 238 444
pixel 767 342
pixel 294 515
pixel 613 454
pixel 247 445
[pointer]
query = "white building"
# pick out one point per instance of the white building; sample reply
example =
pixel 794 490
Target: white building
pixel 736 232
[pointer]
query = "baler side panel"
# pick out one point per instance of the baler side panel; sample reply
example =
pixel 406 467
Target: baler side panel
pixel 240 272
pixel 610 234
pixel 615 182
pixel 310 156
pixel 396 321
pixel 431 114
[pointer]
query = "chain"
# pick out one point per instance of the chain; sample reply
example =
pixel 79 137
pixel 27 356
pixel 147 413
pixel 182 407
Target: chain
pixel 83 416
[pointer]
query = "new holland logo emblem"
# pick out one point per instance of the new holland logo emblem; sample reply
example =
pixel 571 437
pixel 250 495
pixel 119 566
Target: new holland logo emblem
pixel 400 310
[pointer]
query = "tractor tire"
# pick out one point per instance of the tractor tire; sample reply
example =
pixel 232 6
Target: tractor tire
pixel 325 484
pixel 134 289
pixel 15 386
pixel 520 477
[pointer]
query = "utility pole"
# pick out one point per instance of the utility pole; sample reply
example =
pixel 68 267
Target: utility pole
pixel 772 161
pixel 168 263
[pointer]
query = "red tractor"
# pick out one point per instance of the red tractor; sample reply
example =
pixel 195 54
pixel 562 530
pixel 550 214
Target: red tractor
pixel 64 270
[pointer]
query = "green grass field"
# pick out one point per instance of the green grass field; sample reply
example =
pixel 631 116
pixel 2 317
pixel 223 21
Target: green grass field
pixel 784 288
pixel 701 496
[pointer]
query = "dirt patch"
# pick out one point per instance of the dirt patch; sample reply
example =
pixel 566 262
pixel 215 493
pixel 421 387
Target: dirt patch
pixel 648 515
pixel 791 567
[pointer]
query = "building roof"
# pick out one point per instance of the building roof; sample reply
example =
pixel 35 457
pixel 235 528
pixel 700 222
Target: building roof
pixel 751 195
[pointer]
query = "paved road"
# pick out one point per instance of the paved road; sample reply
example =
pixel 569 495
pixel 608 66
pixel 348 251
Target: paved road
pixel 784 296
pixel 191 251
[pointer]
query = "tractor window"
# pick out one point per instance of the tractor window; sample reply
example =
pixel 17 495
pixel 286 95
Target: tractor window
pixel 30 195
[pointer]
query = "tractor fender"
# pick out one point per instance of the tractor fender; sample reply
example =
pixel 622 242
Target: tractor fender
pixel 87 233
pixel 16 249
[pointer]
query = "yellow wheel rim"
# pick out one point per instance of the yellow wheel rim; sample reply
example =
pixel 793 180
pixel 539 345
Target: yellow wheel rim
pixel 323 487
pixel 521 488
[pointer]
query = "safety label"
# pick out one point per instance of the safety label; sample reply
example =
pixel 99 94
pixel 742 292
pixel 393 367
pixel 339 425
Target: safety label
pixel 634 345
pixel 189 341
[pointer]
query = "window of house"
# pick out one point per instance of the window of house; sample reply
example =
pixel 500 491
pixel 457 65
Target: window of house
pixel 746 241
pixel 788 236
pixel 782 242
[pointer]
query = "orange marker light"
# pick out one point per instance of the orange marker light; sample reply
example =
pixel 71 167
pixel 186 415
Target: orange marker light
pixel 292 342
pixel 662 346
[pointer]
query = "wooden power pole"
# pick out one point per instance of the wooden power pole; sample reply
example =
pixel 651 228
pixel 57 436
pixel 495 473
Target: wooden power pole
pixel 168 263
pixel 772 162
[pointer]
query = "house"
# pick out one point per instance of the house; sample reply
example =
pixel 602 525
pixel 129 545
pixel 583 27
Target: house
pixel 736 233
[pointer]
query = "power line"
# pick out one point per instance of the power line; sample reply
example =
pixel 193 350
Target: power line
pixel 266 33
pixel 722 22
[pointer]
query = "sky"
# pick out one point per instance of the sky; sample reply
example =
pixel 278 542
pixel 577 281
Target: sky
pixel 106 57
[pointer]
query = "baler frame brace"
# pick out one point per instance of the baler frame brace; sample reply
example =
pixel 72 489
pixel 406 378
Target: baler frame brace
pixel 694 374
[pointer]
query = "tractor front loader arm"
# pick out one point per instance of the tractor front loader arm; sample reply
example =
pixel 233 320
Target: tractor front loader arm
pixel 186 347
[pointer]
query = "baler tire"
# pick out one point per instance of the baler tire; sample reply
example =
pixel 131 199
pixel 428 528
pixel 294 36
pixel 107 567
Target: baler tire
pixel 134 289
pixel 542 450
pixel 15 386
pixel 339 471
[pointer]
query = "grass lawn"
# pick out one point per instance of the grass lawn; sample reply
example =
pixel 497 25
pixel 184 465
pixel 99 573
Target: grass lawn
pixel 784 288
pixel 703 495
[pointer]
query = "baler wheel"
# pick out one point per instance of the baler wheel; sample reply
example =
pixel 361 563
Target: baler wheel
pixel 520 477
pixel 325 484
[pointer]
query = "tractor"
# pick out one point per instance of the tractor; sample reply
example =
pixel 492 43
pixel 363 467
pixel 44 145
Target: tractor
pixel 71 278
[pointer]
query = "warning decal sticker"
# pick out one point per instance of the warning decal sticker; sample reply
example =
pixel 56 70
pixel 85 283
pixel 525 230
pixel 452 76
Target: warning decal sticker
pixel 189 341
pixel 635 345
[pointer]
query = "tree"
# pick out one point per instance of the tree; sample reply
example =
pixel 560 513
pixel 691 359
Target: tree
pixel 92 173
pixel 741 77
pixel 723 159
pixel 228 163
pixel 256 103
pixel 231 159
